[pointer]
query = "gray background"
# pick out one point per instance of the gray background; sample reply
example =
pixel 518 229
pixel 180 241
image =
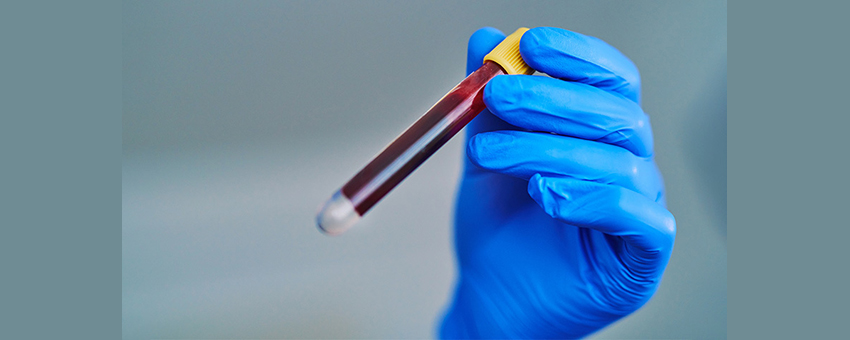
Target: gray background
pixel 240 118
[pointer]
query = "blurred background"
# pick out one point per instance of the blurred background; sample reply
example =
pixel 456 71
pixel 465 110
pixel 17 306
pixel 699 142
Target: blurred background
pixel 241 118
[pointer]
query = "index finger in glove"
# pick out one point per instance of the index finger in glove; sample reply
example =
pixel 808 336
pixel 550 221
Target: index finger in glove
pixel 570 109
pixel 577 57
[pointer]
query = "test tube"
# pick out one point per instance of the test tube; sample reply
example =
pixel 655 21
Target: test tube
pixel 409 150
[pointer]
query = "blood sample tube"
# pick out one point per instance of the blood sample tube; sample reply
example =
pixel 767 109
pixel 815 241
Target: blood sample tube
pixel 420 140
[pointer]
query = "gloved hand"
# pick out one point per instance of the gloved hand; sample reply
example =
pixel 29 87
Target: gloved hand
pixel 561 226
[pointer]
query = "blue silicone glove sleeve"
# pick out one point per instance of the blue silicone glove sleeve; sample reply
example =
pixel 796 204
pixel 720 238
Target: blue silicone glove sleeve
pixel 560 224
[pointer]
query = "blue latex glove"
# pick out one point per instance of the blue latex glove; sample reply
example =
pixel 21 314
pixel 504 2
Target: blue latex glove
pixel 561 226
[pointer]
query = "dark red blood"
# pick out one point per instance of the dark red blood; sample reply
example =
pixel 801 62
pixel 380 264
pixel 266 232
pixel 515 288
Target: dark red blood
pixel 455 103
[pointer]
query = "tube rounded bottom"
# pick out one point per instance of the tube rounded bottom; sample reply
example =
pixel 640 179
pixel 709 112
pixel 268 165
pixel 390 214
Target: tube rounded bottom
pixel 337 215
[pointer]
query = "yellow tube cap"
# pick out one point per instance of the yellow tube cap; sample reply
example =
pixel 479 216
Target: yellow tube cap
pixel 507 54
